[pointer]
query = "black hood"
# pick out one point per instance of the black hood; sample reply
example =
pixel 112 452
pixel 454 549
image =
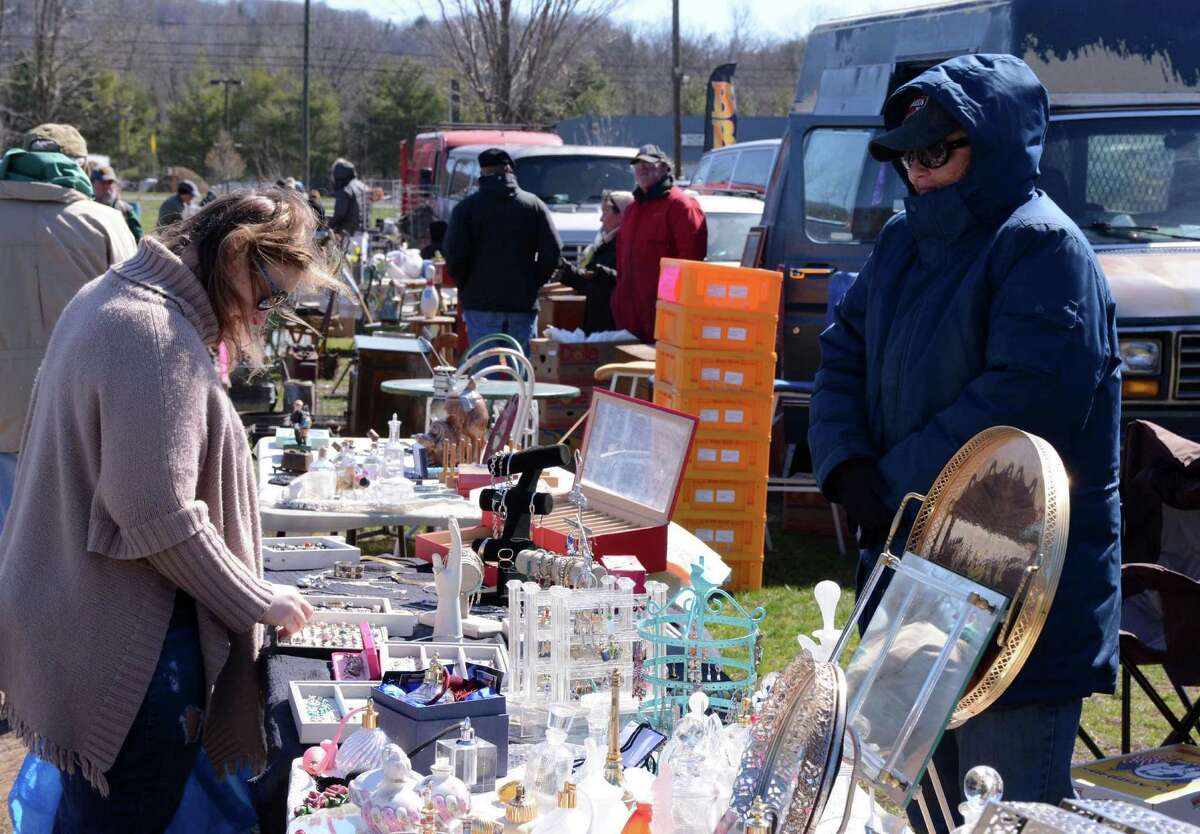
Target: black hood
pixel 501 185
pixel 343 172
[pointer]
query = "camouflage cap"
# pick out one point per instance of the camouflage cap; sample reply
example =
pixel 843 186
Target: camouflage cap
pixel 104 174
pixel 55 138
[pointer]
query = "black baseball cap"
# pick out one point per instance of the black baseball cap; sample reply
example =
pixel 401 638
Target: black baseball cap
pixel 185 187
pixel 925 124
pixel 650 153
pixel 494 157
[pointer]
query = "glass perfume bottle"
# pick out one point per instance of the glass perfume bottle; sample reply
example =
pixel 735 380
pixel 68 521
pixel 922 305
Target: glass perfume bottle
pixel 323 474
pixel 433 685
pixel 344 467
pixel 373 466
pixel 393 452
pixel 548 768
pixel 567 818
pixel 520 813
pixel 472 759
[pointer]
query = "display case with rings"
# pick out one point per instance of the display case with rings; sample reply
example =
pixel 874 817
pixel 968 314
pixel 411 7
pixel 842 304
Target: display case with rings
pixel 961 611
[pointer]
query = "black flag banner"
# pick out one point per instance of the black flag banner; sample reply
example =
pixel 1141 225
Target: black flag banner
pixel 720 110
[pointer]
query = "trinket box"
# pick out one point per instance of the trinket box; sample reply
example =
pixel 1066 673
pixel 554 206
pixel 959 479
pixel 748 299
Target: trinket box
pixel 319 706
pixel 634 454
pixel 306 552
pixel 1166 780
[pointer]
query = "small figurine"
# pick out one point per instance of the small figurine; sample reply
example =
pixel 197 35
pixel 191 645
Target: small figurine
pixel 301 422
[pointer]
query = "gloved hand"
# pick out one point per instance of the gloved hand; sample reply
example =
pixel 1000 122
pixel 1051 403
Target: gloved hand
pixel 855 484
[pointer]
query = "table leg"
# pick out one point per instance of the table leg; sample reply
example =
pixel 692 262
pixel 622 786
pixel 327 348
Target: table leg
pixel 352 537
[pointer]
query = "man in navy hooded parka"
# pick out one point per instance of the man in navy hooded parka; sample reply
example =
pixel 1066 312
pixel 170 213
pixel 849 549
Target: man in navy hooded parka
pixel 983 305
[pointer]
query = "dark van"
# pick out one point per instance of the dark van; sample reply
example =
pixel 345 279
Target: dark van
pixel 1122 158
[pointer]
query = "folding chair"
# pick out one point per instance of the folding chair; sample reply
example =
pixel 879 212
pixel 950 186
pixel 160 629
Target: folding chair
pixel 637 372
pixel 1159 627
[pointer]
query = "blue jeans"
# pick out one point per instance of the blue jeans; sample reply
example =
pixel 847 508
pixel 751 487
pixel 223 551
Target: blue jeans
pixel 1030 746
pixel 147 781
pixel 8 477
pixel 521 326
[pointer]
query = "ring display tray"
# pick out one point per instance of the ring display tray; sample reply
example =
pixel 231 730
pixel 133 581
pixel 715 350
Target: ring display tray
pixel 415 657
pixel 339 697
pixel 290 553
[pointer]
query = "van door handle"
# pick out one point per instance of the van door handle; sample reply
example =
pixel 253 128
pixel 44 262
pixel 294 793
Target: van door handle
pixel 810 271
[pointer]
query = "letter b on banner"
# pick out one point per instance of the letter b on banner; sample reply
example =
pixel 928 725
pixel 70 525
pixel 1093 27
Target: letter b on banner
pixel 720 120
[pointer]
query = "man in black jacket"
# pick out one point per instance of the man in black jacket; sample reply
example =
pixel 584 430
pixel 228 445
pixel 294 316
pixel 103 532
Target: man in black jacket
pixel 351 207
pixel 501 247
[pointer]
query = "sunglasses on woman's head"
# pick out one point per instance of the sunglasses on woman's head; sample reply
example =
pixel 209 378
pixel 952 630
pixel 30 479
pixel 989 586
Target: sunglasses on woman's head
pixel 936 155
pixel 276 296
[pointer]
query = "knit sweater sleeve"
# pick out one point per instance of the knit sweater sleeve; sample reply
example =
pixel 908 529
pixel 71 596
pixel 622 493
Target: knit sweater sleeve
pixel 160 417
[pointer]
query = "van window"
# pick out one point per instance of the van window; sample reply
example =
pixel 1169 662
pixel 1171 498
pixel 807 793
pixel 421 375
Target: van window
pixel 720 171
pixel 567 180
pixel 753 169
pixel 700 175
pixel 461 179
pixel 847 195
pixel 1112 173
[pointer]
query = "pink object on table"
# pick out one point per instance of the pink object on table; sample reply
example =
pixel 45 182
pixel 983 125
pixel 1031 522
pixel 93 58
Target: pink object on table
pixel 629 566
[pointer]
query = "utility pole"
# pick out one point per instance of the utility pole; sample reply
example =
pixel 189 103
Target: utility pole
pixel 228 82
pixel 307 156
pixel 676 85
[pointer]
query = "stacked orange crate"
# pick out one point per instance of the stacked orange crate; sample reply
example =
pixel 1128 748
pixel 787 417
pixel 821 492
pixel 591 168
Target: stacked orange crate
pixel 715 329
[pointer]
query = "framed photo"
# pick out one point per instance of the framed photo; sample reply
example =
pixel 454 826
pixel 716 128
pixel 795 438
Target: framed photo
pixel 756 241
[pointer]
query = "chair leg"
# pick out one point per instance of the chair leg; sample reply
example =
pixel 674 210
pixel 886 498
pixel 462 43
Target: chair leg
pixel 1185 726
pixel 1090 743
pixel 1126 708
pixel 1177 728
pixel 837 528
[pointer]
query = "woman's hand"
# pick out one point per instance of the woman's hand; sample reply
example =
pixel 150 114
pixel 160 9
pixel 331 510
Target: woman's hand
pixel 289 611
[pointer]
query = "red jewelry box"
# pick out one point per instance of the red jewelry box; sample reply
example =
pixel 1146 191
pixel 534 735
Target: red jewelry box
pixel 634 456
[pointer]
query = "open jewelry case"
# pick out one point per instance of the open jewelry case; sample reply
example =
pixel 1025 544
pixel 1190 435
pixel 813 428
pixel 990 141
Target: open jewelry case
pixel 960 613
pixel 306 552
pixel 358 605
pixel 634 454
pixel 394 622
pixel 319 706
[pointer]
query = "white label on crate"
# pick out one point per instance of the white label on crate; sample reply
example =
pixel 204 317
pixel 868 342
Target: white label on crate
pixel 710 332
pixel 716 291
pixel 739 292
pixel 736 334
pixel 726 496
pixel 735 378
pixel 734 416
pixel 710 415
pixel 724 536
pixel 710 374
pixel 730 456
pixel 704 534
pixel 703 496
pixel 707 455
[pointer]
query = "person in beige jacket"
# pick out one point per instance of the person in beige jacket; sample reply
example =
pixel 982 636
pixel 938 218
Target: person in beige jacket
pixel 53 239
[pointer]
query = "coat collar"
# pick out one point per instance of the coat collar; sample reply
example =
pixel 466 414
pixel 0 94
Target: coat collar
pixel 159 269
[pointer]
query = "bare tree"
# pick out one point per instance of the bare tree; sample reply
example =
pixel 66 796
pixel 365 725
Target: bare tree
pixel 223 162
pixel 510 52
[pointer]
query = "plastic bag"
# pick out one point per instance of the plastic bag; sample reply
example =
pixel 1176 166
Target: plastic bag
pixel 210 804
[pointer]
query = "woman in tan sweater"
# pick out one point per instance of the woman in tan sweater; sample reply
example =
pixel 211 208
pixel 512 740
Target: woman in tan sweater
pixel 130 564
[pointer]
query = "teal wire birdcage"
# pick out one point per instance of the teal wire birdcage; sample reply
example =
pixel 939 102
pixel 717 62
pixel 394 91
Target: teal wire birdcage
pixel 701 639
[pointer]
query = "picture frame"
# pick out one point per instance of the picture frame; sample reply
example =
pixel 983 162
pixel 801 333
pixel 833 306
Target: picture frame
pixel 752 252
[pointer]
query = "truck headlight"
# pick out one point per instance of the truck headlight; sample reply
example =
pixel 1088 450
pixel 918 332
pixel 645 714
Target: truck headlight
pixel 1141 357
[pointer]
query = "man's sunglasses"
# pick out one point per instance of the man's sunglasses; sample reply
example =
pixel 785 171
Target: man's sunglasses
pixel 276 296
pixel 936 155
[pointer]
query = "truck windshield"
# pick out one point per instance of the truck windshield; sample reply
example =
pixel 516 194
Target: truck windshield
pixel 563 180
pixel 1126 179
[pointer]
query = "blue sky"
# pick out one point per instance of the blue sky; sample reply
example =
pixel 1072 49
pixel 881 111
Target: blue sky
pixel 777 17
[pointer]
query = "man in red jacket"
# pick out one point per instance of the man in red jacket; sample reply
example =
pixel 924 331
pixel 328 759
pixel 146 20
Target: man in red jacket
pixel 663 222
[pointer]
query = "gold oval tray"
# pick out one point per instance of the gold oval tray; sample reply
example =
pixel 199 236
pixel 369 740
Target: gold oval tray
pixel 998 513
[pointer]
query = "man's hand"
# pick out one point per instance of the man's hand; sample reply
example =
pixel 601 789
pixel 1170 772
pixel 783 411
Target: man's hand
pixel 289 611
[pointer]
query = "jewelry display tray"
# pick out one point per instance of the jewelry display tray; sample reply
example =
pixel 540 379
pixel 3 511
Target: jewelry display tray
pixel 454 656
pixel 347 694
pixel 335 550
